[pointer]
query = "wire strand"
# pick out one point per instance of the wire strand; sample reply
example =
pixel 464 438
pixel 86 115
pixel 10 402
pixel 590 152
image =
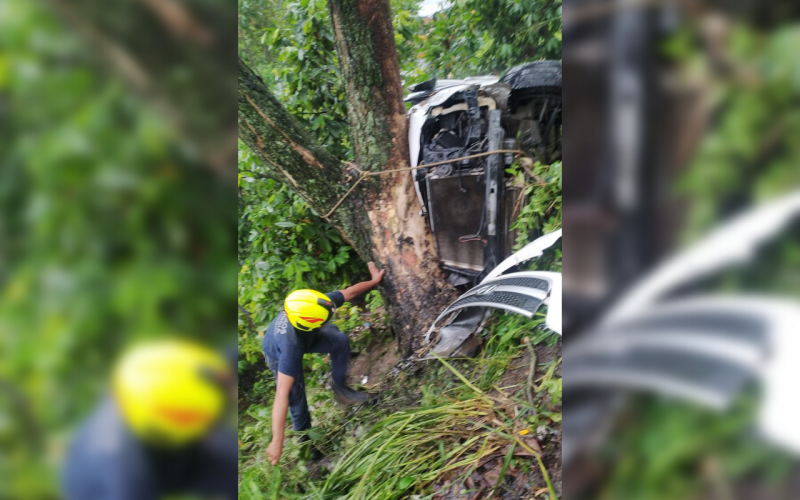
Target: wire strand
pixel 366 173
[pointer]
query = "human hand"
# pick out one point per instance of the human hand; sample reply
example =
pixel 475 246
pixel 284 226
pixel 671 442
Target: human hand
pixel 274 451
pixel 377 274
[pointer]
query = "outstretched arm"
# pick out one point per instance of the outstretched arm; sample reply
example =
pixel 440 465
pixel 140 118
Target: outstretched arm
pixel 354 291
pixel 279 409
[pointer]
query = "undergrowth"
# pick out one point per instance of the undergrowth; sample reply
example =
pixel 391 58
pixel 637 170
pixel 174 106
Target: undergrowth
pixel 434 425
pixel 438 422
pixel 413 448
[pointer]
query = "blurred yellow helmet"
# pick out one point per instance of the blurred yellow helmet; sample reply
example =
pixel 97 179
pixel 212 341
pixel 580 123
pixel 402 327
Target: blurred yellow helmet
pixel 171 392
pixel 308 309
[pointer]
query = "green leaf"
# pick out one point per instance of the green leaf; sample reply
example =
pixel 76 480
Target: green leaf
pixel 276 483
pixel 404 483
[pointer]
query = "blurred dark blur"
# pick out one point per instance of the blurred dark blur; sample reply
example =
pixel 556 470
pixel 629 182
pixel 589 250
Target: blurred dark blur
pixel 117 205
pixel 679 117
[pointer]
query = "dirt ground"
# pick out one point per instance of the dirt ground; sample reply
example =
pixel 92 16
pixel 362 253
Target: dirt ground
pixel 373 364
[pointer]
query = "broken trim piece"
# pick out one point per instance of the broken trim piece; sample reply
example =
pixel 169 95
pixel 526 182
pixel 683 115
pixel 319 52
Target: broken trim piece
pixel 553 303
pixel 514 284
pixel 598 359
pixel 735 242
pixel 532 250
pixel 509 283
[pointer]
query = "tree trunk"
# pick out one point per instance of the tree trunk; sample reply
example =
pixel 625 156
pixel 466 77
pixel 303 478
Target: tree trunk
pixel 416 288
pixel 380 219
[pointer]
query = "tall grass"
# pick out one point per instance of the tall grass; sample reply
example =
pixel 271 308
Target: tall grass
pixel 408 449
pixel 414 451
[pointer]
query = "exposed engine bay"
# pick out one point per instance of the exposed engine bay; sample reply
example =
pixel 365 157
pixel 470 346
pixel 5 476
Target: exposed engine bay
pixel 471 203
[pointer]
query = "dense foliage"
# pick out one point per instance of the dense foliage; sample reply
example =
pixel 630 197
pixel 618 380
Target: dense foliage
pixel 284 245
pixel 305 74
pixel 109 233
pixel 751 154
pixel 472 37
pixel 542 213
pixel 255 16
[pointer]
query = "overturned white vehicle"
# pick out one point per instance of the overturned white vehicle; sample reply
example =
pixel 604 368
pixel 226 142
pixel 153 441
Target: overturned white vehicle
pixel 470 200
pixel 471 203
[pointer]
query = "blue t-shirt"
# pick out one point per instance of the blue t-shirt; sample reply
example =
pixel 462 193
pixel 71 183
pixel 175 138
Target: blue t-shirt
pixel 105 461
pixel 285 344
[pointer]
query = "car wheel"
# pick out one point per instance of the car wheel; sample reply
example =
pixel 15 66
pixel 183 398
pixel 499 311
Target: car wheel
pixel 535 75
pixel 534 114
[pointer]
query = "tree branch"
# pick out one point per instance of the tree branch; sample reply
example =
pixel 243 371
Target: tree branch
pixel 253 329
pixel 261 175
pixel 297 159
pixel 146 42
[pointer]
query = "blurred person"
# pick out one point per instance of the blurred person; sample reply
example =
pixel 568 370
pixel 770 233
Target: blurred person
pixel 303 327
pixel 161 432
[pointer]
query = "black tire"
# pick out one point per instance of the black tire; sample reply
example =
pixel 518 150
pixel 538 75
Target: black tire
pixel 536 84
pixel 541 75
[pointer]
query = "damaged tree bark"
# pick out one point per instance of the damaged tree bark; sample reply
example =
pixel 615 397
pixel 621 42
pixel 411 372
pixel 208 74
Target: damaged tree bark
pixel 381 218
pixel 416 289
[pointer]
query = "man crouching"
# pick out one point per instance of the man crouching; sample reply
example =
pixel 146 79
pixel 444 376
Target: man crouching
pixel 303 327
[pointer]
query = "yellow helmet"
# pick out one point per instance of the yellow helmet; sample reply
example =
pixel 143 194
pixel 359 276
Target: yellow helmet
pixel 171 392
pixel 308 309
